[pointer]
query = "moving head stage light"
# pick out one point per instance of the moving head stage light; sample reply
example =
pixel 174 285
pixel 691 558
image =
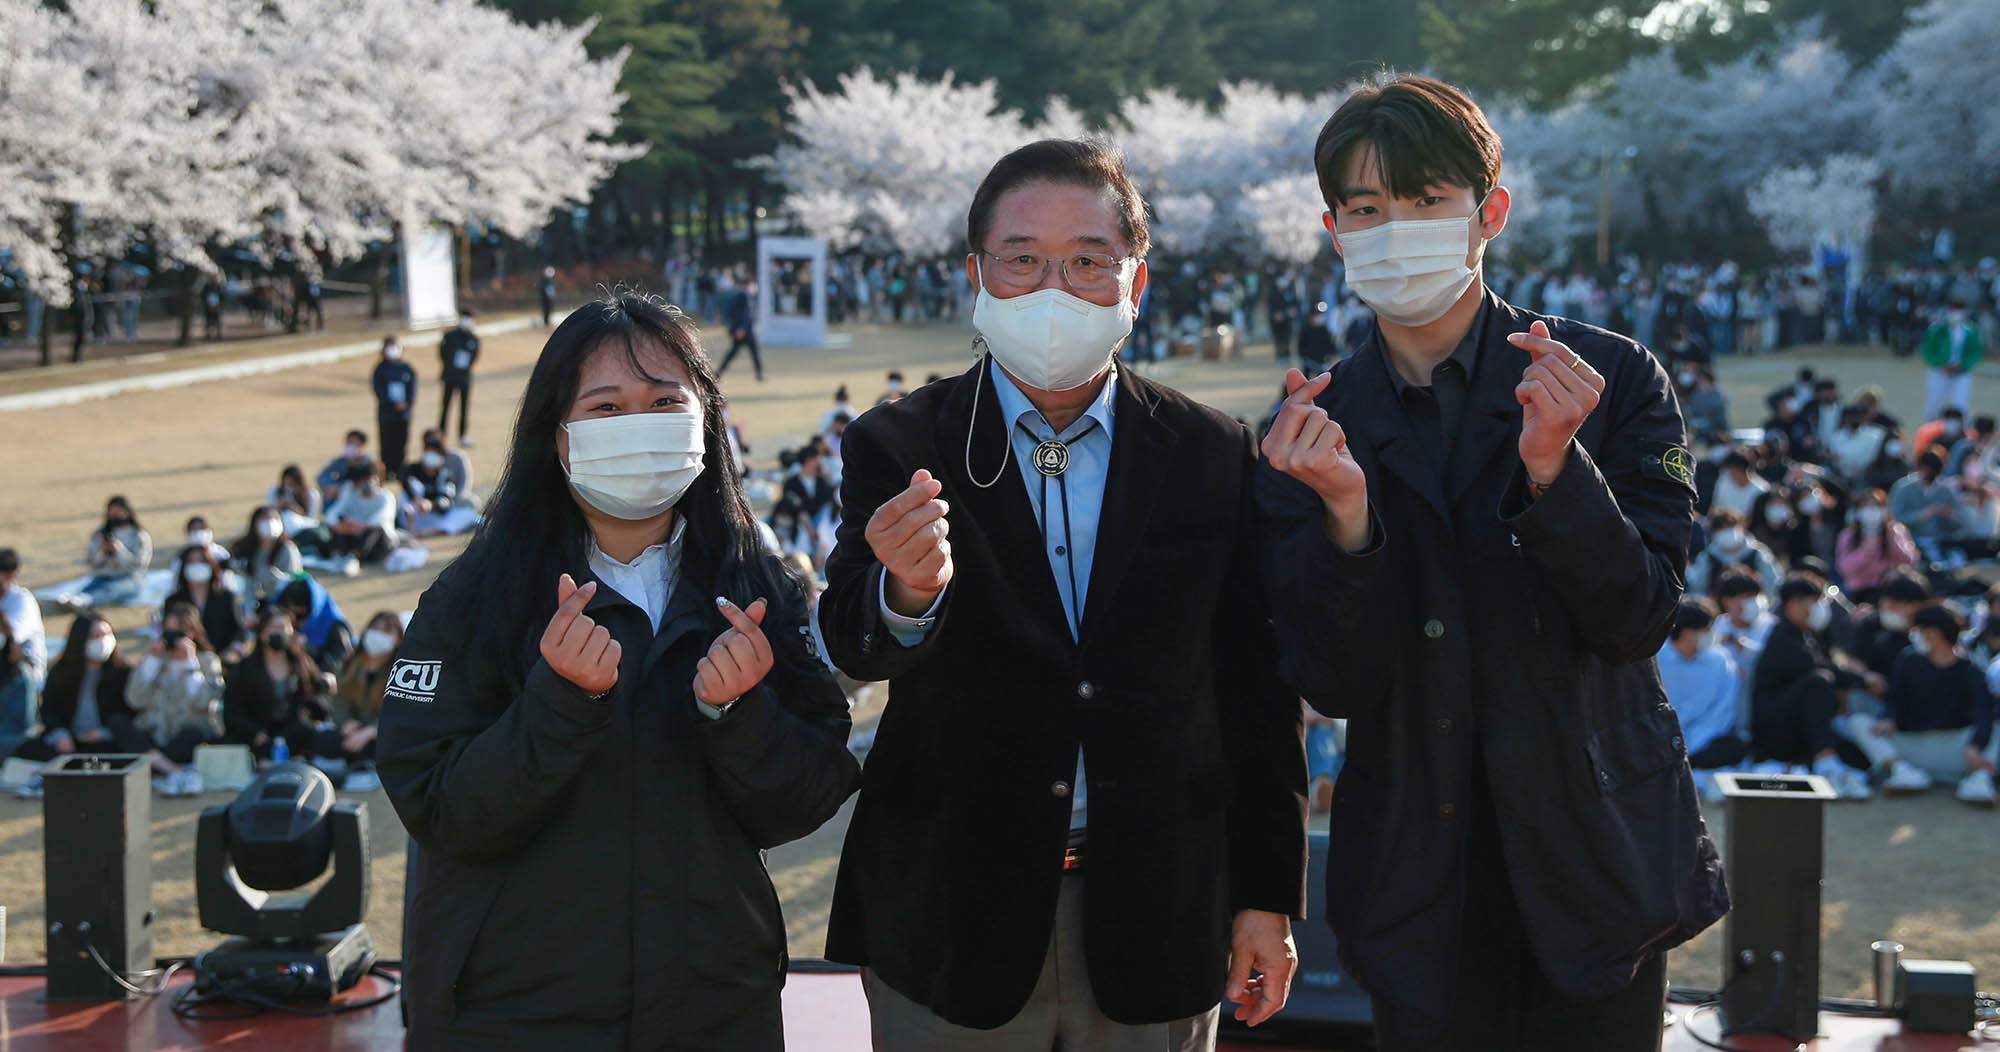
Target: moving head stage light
pixel 250 855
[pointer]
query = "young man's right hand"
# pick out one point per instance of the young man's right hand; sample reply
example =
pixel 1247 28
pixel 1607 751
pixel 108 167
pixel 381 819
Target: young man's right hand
pixel 908 536
pixel 1305 443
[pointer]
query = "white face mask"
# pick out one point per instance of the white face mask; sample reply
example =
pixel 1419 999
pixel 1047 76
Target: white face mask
pixel 199 573
pixel 1811 505
pixel 1777 514
pixel 433 459
pixel 1869 518
pixel 465 323
pixel 1730 540
pixel 377 642
pixel 1917 640
pixel 1820 616
pixel 351 451
pixel 1052 340
pixel 200 538
pixel 393 351
pixel 1411 271
pixel 270 529
pixel 99 648
pixel 1895 620
pixel 1892 448
pixel 634 466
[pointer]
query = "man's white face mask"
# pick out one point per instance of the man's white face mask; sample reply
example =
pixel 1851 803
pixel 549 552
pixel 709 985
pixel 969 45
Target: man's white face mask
pixel 1411 271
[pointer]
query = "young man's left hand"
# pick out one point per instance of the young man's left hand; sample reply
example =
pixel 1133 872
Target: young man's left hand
pixel 1557 391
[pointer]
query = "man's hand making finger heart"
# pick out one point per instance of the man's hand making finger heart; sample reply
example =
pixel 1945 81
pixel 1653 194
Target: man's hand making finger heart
pixel 1307 444
pixel 1557 391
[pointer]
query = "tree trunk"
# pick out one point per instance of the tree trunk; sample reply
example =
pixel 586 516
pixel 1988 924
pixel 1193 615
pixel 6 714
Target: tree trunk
pixel 464 263
pixel 378 282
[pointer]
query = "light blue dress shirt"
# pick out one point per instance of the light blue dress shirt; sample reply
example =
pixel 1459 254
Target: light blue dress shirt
pixel 1080 496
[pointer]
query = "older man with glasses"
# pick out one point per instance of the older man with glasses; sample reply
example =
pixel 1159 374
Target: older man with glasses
pixel 1083 820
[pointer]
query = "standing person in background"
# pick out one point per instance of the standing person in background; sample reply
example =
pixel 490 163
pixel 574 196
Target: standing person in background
pixel 1316 346
pixel 547 289
pixel 1284 315
pixel 1474 535
pixel 739 315
pixel 395 398
pixel 457 350
pixel 1952 349
pixel 211 311
pixel 1074 618
pixel 312 302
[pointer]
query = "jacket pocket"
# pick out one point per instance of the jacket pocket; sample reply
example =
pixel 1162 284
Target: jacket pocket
pixel 449 912
pixel 1631 751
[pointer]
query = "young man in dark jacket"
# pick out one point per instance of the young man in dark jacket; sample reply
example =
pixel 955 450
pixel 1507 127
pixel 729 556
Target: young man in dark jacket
pixel 1476 528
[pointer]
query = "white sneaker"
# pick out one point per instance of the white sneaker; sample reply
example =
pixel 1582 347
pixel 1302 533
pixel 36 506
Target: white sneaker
pixel 1977 789
pixel 1907 777
pixel 1852 785
pixel 350 567
pixel 190 781
pixel 166 786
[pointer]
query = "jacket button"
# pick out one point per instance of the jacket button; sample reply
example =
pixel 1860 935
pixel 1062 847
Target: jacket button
pixel 1434 628
pixel 1443 726
pixel 1679 745
pixel 1086 690
pixel 1604 778
pixel 1446 810
pixel 1059 790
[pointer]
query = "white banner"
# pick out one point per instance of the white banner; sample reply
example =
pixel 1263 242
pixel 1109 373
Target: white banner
pixel 430 288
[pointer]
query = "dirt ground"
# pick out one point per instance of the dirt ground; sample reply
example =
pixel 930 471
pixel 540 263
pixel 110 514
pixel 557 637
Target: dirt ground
pixel 1917 870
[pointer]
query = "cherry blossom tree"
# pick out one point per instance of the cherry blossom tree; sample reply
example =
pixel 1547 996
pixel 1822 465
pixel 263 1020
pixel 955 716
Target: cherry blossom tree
pixel 1804 208
pixel 1939 126
pixel 309 125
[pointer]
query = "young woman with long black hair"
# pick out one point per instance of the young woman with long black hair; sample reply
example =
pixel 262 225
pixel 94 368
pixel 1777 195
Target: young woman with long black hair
pixel 601 714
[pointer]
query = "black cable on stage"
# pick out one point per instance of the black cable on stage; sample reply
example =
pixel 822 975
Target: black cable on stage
pixel 240 995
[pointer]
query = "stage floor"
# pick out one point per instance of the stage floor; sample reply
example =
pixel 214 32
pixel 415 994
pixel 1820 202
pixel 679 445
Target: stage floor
pixel 824 1012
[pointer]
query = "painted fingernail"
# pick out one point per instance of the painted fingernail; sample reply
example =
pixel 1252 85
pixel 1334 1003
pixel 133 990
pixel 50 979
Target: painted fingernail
pixel 721 602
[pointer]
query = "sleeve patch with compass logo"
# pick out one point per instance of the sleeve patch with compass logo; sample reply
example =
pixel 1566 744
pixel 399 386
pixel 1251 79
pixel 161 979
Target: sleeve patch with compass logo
pixel 1666 461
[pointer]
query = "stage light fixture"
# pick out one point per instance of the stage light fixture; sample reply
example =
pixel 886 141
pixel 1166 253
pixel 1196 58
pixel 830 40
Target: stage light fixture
pixel 251 857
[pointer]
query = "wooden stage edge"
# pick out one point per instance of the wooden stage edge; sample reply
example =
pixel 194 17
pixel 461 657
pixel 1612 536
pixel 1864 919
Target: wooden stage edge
pixel 824 1012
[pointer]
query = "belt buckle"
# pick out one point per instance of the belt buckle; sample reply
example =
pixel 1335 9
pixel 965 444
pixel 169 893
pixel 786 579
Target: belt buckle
pixel 1072 858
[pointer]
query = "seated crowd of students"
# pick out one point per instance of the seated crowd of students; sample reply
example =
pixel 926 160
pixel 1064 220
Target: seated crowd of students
pixel 247 648
pixel 1838 616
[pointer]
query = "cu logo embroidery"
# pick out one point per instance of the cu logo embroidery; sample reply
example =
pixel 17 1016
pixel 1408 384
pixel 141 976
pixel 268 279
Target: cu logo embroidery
pixel 414 680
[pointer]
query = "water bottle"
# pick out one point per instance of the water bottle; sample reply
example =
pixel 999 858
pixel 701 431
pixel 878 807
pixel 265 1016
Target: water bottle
pixel 280 752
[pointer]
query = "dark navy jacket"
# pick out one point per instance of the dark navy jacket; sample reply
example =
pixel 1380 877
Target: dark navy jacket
pixel 1481 622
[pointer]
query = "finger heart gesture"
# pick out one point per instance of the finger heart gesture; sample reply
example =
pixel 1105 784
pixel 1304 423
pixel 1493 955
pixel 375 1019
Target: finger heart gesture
pixel 1557 392
pixel 738 660
pixel 577 648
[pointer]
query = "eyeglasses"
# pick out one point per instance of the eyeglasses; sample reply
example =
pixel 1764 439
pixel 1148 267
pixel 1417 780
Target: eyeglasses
pixel 1085 272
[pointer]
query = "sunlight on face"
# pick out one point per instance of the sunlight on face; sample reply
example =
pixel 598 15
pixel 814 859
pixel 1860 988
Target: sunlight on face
pixel 608 386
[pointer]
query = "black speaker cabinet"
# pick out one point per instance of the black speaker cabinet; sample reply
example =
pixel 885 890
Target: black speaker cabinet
pixel 1771 936
pixel 97 825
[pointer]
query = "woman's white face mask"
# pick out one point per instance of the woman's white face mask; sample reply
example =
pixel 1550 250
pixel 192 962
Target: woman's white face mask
pixel 636 465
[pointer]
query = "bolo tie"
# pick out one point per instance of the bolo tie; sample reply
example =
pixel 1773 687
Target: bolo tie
pixel 1051 461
